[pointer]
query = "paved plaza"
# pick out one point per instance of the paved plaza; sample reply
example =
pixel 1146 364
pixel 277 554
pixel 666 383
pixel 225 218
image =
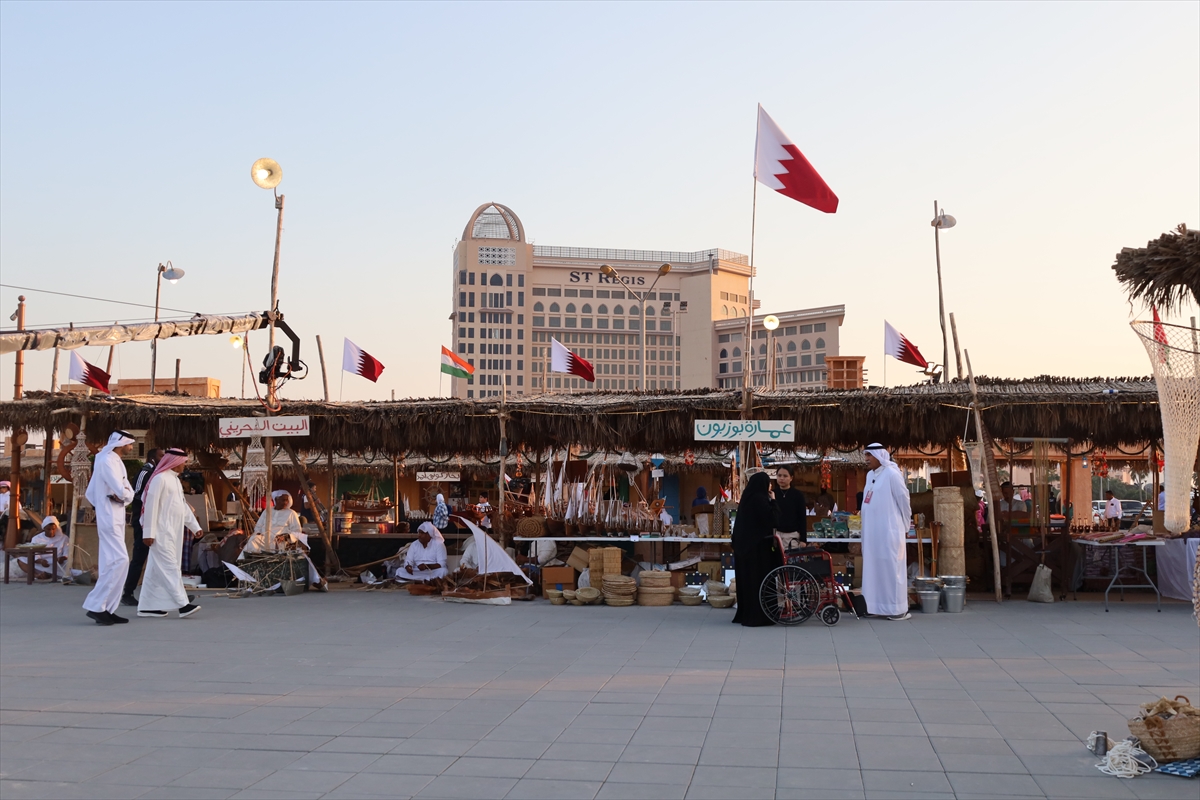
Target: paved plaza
pixel 378 694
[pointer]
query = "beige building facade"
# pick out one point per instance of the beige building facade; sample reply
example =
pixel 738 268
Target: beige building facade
pixel 512 298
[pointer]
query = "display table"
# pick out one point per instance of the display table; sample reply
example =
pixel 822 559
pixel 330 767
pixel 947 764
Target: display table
pixel 1175 562
pixel 1117 570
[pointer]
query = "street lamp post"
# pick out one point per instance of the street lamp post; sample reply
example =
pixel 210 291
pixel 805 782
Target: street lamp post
pixel 941 221
pixel 172 273
pixel 667 309
pixel 770 322
pixel 611 272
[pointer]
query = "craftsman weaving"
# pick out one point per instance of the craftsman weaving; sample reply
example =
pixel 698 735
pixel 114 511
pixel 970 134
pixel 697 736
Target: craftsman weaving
pixel 285 534
pixel 426 557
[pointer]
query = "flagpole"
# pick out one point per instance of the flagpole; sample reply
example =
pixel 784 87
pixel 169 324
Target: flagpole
pixel 747 354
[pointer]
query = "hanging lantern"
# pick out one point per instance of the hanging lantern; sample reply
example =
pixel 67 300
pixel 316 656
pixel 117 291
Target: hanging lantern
pixel 826 474
pixel 520 464
pixel 254 472
pixel 689 458
pixel 1100 465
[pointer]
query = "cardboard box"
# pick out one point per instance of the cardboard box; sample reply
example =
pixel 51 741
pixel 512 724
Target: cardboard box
pixel 579 559
pixel 712 569
pixel 551 576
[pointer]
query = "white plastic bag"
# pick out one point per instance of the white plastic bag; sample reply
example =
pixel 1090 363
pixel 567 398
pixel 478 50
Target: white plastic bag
pixel 1040 590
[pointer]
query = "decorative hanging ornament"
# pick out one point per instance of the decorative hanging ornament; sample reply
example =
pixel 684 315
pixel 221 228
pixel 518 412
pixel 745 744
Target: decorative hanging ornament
pixel 254 472
pixel 520 463
pixel 689 458
pixel 826 474
pixel 1100 464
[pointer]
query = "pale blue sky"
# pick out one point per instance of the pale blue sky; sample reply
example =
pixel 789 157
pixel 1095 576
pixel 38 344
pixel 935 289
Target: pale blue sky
pixel 1055 133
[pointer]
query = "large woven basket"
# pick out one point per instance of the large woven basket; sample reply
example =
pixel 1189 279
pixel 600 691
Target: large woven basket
pixel 531 527
pixel 1173 738
pixel 649 578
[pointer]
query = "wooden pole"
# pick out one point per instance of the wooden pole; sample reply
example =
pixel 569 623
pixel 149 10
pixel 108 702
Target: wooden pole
pixel 80 441
pixel 957 351
pixel 54 373
pixel 937 247
pixel 177 364
pixel 324 374
pixel 19 437
pixel 274 310
pixel 987 484
pixel 332 564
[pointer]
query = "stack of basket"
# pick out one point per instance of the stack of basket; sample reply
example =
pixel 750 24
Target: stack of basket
pixel 655 589
pixel 619 590
pixel 603 561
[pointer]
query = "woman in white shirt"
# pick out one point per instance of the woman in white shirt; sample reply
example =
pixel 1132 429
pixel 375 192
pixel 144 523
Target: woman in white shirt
pixel 426 557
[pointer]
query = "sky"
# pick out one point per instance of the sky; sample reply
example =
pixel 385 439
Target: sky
pixel 1056 134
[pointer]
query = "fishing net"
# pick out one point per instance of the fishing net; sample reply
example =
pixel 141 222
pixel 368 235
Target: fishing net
pixel 1174 352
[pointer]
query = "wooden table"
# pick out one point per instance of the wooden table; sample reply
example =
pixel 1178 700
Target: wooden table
pixel 32 551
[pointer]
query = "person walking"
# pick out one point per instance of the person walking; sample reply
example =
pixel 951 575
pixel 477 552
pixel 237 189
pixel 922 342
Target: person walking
pixel 886 511
pixel 109 492
pixel 140 550
pixel 167 519
pixel 753 548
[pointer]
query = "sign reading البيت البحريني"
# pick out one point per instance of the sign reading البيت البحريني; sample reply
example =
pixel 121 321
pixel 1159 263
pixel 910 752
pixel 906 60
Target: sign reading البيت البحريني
pixel 745 430
pixel 242 427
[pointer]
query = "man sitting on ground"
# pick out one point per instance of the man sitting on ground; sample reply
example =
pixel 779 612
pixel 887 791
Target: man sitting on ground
pixel 426 557
pixel 51 536
pixel 286 534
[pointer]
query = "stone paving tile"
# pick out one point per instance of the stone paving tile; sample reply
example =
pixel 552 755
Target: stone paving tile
pixel 537 789
pixel 468 788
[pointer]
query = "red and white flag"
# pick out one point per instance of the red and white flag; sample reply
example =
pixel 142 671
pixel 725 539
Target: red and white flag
pixel 360 362
pixel 88 374
pixel 563 360
pixel 896 345
pixel 1160 335
pixel 780 165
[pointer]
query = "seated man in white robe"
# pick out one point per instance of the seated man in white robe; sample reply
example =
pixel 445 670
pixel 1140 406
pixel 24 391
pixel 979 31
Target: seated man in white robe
pixel 426 557
pixel 51 536
pixel 286 534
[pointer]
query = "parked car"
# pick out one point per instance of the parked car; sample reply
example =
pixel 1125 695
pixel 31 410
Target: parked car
pixel 1130 510
pixel 1097 512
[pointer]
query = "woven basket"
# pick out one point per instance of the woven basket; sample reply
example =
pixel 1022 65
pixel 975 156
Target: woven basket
pixel 648 578
pixel 648 599
pixel 618 601
pixel 531 527
pixel 1172 739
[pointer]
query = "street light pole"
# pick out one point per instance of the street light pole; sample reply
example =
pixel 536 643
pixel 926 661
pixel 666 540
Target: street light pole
pixel 611 272
pixel 172 273
pixel 941 220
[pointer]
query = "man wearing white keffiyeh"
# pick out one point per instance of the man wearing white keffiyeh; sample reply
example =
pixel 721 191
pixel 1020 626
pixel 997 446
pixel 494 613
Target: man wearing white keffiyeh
pixel 109 492
pixel 886 511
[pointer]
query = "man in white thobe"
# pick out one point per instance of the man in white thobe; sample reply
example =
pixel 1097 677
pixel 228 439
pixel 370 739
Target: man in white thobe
pixel 109 492
pixel 426 557
pixel 168 525
pixel 886 514
pixel 286 534
pixel 51 536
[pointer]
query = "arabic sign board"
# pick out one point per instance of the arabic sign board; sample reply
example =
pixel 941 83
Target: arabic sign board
pixel 748 430
pixel 438 477
pixel 243 427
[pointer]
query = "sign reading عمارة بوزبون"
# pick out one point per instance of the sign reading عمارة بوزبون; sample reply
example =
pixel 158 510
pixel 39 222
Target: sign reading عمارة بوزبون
pixel 243 427
pixel 745 430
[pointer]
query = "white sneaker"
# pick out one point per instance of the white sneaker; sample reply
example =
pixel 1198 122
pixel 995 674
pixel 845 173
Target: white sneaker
pixel 901 617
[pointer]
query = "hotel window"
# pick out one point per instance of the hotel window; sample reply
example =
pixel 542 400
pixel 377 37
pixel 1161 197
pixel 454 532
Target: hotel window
pixel 508 279
pixel 806 345
pixel 820 358
pixel 587 308
pixel 602 323
pixel 790 330
pixel 520 298
pixel 507 299
pixel 585 292
pixel 462 298
pixel 571 292
pixel 497 280
pixel 618 295
pixel 723 368
pixel 820 344
pixel 618 324
pixel 791 347
pixel 724 353
pixel 462 278
pixel 539 291
pixel 724 311
pixel 737 352
pixel 723 337
pixel 618 309
pixel 602 293
pixel 791 361
pixel 556 322
pixel 554 291
pixel 602 309
pixel 737 366
pixel 819 327
pixel 586 322
pixel 471 299
pixel 554 309
pixel 806 329
pixel 570 308
pixel 570 322
pixel 806 361
pixel 539 322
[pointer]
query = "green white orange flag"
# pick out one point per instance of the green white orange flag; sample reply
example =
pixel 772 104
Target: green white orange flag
pixel 455 366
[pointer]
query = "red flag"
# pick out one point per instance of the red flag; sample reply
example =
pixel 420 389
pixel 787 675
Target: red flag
pixel 563 360
pixel 88 374
pixel 897 345
pixel 1160 334
pixel 360 362
pixel 780 165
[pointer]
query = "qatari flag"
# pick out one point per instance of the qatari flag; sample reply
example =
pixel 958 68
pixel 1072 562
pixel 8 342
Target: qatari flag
pixel 360 362
pixel 88 374
pixel 897 345
pixel 779 165
pixel 563 360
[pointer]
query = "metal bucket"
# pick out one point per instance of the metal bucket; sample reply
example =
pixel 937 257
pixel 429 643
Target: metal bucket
pixel 929 601
pixel 954 581
pixel 955 597
pixel 342 521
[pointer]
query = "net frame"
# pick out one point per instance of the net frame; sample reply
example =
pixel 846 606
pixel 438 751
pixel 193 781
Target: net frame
pixel 1174 352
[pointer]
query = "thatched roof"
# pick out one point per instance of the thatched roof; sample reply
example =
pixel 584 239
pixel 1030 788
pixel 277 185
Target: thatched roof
pixel 1164 273
pixel 1107 411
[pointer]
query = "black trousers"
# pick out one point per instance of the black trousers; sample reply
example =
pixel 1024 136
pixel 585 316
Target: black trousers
pixel 141 551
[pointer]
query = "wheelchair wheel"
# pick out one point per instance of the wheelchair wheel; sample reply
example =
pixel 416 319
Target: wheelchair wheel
pixel 830 615
pixel 789 595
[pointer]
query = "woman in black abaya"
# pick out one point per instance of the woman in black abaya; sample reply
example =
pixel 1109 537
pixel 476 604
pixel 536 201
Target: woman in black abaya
pixel 754 548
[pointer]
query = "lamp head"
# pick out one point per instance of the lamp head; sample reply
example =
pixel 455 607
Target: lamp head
pixel 605 269
pixel 771 322
pixel 266 173
pixel 664 269
pixel 236 342
pixel 943 221
pixel 171 272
